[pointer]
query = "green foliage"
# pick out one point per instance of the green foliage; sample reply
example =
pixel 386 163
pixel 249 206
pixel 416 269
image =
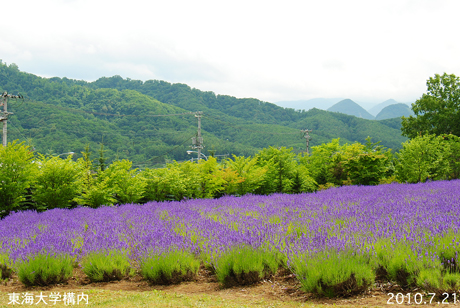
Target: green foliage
pixel 350 163
pixel 368 165
pixel 245 265
pixel 125 182
pixel 169 267
pixel 454 158
pixel 17 174
pixel 436 112
pixel 333 273
pixel 321 162
pixel 211 181
pixel 45 269
pixel 251 175
pixel 58 182
pixel 106 266
pixel 95 187
pixel 424 157
pixel 164 184
pixel 283 172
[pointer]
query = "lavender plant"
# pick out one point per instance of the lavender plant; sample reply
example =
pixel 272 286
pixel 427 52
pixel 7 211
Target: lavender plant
pixel 245 265
pixel 389 223
pixel 104 266
pixel 170 267
pixel 44 269
pixel 5 267
pixel 333 273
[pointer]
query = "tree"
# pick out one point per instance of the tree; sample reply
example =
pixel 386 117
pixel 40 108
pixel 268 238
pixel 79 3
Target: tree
pixel 281 167
pixel 252 175
pixel 125 182
pixel 422 158
pixel 436 112
pixel 17 173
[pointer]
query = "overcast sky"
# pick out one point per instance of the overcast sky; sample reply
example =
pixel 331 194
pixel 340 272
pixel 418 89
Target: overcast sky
pixel 365 50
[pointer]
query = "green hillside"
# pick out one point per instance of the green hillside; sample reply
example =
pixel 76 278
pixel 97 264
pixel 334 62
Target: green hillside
pixel 152 122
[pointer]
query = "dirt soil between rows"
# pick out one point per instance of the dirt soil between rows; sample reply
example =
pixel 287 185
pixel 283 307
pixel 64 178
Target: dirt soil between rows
pixel 281 287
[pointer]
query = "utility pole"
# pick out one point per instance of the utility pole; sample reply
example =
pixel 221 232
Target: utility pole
pixel 307 137
pixel 197 142
pixel 4 118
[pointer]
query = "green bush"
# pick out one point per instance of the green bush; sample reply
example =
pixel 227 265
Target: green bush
pixel 95 186
pixel 332 273
pixel 58 182
pixel 104 266
pixel 45 269
pixel 245 265
pixel 170 267
pixel 125 182
pixel 17 174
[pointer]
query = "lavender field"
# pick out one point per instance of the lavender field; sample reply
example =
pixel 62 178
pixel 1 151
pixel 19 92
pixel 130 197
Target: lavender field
pixel 409 233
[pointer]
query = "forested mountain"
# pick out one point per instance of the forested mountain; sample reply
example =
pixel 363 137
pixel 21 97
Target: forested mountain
pixel 152 122
pixel 347 106
pixel 394 111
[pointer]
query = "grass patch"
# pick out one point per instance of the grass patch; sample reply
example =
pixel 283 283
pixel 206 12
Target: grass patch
pixel 45 269
pixel 104 266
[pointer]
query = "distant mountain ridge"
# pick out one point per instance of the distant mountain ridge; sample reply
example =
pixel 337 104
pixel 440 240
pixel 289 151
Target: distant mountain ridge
pixel 318 103
pixel 347 106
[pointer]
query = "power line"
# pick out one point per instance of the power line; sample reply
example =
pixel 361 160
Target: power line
pixel 247 129
pixel 158 156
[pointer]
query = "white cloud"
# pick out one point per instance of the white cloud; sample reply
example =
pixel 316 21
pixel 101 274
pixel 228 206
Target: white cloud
pixel 290 50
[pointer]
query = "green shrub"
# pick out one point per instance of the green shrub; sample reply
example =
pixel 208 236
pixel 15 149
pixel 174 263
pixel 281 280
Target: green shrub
pixel 17 174
pixel 245 265
pixel 104 266
pixel 125 182
pixel 45 269
pixel 170 267
pixel 333 274
pixel 58 182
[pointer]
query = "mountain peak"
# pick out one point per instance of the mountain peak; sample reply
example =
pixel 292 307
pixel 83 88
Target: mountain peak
pixel 347 106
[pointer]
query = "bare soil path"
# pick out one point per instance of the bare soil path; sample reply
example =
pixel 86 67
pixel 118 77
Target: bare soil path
pixel 282 290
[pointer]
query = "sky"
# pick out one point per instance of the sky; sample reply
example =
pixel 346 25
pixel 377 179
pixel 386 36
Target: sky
pixel 365 50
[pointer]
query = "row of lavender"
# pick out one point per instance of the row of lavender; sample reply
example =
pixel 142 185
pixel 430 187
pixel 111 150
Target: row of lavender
pixel 380 224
